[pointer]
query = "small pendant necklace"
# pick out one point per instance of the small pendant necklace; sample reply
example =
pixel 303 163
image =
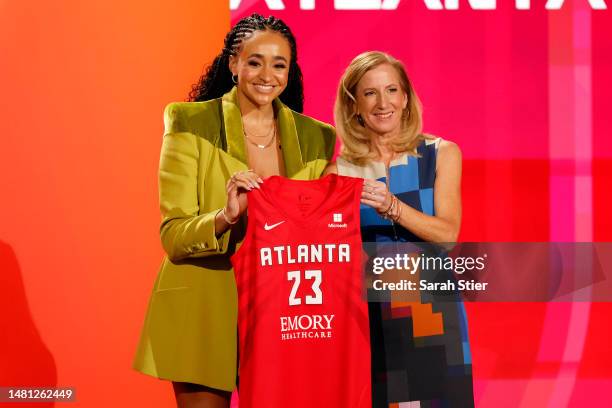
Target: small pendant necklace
pixel 261 146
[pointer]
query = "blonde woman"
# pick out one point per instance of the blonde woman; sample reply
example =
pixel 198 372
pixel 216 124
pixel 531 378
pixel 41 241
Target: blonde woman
pixel 411 193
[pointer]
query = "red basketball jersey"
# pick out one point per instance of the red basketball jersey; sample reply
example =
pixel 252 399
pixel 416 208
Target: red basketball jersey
pixel 302 319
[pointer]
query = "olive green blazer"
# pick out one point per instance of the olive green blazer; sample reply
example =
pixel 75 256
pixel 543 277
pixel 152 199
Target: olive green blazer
pixel 189 332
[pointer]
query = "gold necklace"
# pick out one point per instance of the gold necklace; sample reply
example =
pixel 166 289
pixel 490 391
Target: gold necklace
pixel 261 146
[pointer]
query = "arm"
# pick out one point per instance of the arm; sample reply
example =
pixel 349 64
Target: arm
pixel 184 232
pixel 442 227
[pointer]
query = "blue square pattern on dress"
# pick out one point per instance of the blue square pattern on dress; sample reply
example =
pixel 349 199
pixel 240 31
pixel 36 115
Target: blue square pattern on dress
pixel 467 354
pixel 412 198
pixel 404 177
pixel 427 201
pixel 427 165
pixel 369 216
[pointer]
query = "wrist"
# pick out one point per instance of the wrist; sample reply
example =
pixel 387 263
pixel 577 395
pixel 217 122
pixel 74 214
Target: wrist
pixel 386 210
pixel 227 219
pixel 386 214
pixel 398 211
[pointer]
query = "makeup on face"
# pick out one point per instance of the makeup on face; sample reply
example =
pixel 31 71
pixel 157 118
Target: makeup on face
pixel 381 100
pixel 262 67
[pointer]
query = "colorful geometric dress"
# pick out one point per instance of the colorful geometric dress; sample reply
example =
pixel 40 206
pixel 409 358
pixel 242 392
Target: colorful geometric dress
pixel 420 350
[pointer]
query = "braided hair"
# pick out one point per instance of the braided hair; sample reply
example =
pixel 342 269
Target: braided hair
pixel 217 80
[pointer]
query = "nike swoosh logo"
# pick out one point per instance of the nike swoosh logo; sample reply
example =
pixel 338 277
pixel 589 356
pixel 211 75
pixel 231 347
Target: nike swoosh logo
pixel 269 227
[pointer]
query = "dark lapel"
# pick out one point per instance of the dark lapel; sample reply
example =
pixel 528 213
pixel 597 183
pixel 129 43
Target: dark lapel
pixel 290 143
pixel 232 121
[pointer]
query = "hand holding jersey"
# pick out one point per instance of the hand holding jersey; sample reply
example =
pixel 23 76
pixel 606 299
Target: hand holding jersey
pixel 376 194
pixel 237 187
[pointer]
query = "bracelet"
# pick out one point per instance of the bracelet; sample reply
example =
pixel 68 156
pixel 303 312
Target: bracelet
pixel 393 207
pixel 227 219
pixel 397 217
pixel 384 213
pixel 389 210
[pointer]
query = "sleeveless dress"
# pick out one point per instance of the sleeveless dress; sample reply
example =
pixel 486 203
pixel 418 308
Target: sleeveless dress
pixel 420 351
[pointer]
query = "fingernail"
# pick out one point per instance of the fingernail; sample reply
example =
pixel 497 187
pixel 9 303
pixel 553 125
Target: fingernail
pixel 260 180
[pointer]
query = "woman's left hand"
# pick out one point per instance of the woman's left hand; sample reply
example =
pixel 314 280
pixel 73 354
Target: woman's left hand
pixel 376 195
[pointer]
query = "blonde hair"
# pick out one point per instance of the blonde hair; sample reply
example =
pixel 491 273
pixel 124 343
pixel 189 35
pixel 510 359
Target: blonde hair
pixel 356 143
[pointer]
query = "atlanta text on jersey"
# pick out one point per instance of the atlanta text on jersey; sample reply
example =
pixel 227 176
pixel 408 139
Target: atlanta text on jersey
pixel 306 327
pixel 290 254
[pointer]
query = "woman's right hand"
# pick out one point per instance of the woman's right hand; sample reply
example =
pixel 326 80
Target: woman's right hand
pixel 237 187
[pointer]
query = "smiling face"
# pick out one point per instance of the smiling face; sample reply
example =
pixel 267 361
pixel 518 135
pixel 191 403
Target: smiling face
pixel 262 67
pixel 381 100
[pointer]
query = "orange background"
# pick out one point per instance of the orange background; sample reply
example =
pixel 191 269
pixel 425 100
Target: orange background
pixel 82 89
pixel 83 85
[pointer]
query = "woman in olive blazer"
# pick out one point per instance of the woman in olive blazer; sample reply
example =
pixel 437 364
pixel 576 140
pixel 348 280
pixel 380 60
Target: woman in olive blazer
pixel 189 334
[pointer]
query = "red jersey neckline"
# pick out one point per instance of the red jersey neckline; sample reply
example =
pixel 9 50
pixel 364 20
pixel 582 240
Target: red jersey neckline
pixel 303 221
